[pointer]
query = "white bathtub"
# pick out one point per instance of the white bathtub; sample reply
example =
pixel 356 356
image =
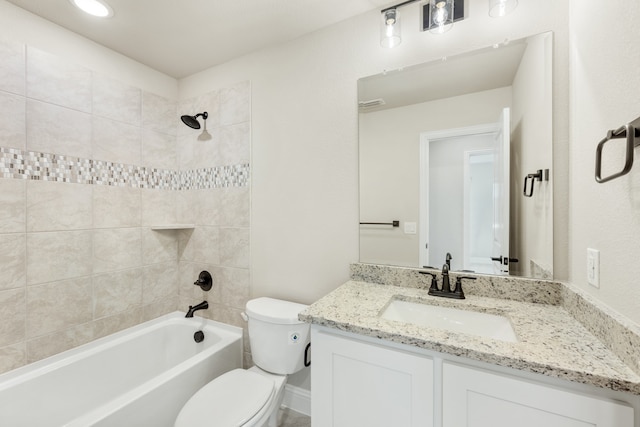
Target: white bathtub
pixel 139 377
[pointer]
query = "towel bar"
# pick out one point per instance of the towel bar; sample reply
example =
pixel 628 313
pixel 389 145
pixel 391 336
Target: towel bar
pixel 631 132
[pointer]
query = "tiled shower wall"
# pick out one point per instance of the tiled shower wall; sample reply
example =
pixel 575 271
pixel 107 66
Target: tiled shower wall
pixel 87 166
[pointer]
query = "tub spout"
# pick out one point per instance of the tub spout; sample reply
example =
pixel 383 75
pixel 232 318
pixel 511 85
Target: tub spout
pixel 193 308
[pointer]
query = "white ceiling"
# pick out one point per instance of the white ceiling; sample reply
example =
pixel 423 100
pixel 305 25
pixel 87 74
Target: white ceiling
pixel 183 37
pixel 475 71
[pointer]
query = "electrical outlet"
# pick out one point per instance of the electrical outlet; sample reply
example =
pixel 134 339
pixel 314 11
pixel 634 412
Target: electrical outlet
pixel 593 267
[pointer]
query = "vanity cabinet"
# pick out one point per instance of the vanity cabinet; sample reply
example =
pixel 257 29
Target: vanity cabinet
pixel 361 384
pixel 475 398
pixel 359 381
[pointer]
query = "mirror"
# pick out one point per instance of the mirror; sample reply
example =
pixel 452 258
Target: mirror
pixel 455 158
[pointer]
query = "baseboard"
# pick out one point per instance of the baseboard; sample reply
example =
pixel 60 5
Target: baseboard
pixel 297 399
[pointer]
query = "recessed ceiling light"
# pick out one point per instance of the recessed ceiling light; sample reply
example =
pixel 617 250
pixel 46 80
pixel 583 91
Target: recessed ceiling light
pixel 94 7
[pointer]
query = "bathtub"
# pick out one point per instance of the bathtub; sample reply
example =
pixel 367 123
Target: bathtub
pixel 139 377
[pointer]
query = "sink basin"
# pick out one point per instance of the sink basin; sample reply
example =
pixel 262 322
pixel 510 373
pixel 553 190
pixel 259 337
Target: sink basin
pixel 451 319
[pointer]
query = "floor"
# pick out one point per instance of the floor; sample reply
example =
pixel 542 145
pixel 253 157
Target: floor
pixel 290 418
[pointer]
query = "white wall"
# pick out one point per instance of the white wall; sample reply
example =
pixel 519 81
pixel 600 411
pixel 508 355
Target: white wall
pixel 605 93
pixel 304 225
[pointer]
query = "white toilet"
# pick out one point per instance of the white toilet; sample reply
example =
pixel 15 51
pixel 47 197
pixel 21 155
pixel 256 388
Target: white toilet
pixel 251 398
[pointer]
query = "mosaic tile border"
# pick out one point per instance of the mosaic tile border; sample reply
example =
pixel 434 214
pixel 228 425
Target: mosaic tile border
pixel 20 164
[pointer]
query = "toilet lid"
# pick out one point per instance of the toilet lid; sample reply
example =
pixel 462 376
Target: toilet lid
pixel 230 400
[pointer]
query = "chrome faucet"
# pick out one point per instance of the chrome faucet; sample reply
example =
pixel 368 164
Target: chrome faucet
pixel 193 308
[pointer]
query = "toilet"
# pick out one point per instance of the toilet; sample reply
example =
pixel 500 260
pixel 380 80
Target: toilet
pixel 252 397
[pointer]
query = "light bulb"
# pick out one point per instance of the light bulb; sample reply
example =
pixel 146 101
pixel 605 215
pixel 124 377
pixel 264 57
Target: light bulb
pixel 500 8
pixel 93 7
pixel 390 29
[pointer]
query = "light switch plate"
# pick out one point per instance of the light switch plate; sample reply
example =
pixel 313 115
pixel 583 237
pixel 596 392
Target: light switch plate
pixel 593 267
pixel 410 228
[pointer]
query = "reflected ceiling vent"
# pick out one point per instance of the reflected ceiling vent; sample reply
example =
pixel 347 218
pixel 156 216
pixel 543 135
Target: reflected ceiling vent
pixel 370 104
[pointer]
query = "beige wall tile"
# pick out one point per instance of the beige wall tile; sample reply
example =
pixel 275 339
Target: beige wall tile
pixel 12 316
pixel 206 245
pixel 187 274
pixel 207 206
pixel 112 324
pixel 116 292
pixel 204 153
pixel 47 345
pixel 55 80
pixel 13 356
pixel 185 150
pixel 116 249
pixel 13 112
pixel 13 196
pixel 159 246
pixel 58 255
pixel 158 207
pixel 235 207
pixel 13 261
pixel 54 206
pixel 12 67
pixel 186 206
pixel 234 247
pixel 58 130
pixel 117 101
pixel 234 287
pixel 160 281
pixel 49 306
pixel 235 147
pixel 159 114
pixel 116 206
pixel 159 150
pixel 116 142
pixel 235 104
pixel 160 308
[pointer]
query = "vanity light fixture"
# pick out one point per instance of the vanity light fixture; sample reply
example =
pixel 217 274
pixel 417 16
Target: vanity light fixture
pixel 94 7
pixel 437 17
pixel 500 8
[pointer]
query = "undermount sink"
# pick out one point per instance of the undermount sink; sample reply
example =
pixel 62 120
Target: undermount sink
pixel 451 319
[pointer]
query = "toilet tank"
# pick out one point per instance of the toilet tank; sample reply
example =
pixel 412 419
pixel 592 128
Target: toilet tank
pixel 278 339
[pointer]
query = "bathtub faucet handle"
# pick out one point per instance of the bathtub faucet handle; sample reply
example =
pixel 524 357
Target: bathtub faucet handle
pixel 204 281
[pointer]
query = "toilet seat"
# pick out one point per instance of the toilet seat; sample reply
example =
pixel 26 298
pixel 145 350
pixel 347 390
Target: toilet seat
pixel 230 400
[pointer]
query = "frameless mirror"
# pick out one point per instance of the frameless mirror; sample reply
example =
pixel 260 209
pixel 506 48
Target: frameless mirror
pixel 455 162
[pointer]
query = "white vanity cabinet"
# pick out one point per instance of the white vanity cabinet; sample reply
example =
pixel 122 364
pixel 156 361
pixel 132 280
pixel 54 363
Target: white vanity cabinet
pixel 354 383
pixel 476 398
pixel 359 381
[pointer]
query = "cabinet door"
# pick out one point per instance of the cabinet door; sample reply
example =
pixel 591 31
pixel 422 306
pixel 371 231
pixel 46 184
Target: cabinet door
pixel 475 398
pixel 358 384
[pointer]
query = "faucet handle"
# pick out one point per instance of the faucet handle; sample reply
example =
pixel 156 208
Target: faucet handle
pixel 205 281
pixel 434 281
pixel 458 290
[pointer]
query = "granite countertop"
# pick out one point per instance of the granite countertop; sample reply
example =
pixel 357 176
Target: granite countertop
pixel 550 340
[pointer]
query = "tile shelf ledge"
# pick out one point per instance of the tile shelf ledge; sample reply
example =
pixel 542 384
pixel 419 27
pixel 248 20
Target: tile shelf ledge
pixel 173 227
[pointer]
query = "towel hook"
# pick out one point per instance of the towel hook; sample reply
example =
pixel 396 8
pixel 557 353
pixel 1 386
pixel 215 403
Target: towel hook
pixel 538 176
pixel 631 132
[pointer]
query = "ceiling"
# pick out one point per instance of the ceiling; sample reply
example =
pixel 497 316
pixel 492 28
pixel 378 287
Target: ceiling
pixel 475 71
pixel 182 37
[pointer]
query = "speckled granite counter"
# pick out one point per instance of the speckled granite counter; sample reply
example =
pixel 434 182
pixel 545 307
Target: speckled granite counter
pixel 551 341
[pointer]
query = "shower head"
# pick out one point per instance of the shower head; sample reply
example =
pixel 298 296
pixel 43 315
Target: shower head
pixel 192 121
